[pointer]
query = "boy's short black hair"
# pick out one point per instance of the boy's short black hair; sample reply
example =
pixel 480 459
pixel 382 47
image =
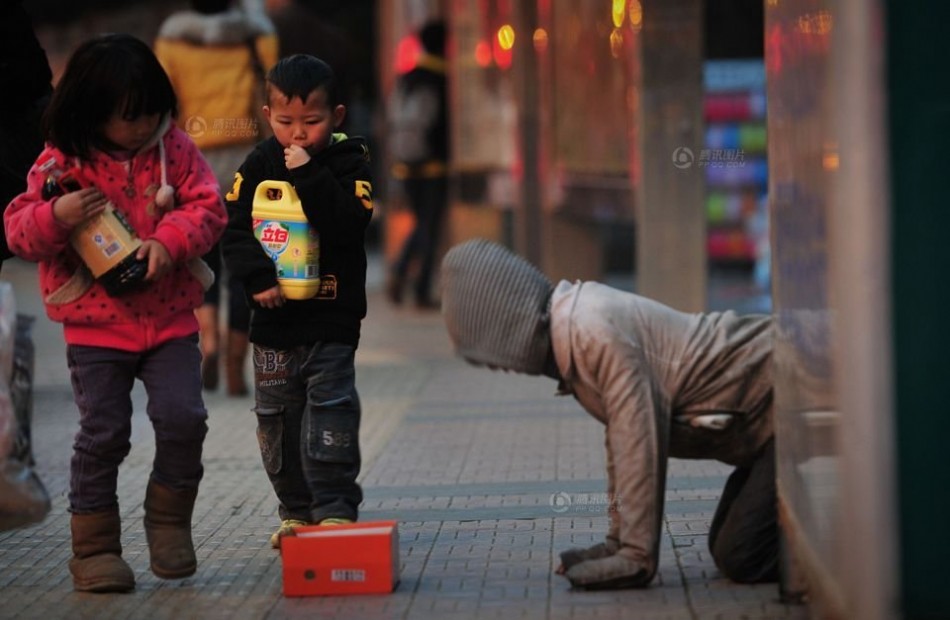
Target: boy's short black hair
pixel 301 74
pixel 106 74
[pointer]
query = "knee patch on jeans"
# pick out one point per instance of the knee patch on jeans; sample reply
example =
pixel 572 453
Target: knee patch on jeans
pixel 270 433
pixel 334 435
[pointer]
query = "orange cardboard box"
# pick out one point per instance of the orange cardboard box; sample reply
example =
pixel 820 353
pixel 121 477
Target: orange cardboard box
pixel 357 558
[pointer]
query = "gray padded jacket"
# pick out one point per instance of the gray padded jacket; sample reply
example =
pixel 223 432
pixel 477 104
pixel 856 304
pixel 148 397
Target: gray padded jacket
pixel 664 383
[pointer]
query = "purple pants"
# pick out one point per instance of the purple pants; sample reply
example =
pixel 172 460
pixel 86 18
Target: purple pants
pixel 102 382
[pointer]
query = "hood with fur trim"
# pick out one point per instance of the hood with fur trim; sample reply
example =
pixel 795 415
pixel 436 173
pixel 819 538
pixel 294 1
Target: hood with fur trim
pixel 229 28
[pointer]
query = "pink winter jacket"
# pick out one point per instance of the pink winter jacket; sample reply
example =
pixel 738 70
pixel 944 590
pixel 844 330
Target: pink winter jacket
pixel 187 228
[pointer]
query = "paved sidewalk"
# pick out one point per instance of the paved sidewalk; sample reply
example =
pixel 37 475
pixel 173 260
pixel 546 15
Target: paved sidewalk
pixel 489 474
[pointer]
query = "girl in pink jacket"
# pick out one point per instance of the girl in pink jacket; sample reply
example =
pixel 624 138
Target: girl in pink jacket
pixel 109 125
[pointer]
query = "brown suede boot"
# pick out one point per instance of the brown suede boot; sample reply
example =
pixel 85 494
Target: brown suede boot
pixel 234 362
pixel 168 531
pixel 97 564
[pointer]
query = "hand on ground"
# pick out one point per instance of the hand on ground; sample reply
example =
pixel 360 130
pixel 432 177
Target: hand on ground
pixel 610 573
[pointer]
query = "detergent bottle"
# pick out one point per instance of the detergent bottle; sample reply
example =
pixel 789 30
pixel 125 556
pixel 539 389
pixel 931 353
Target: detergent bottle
pixel 285 234
pixel 106 243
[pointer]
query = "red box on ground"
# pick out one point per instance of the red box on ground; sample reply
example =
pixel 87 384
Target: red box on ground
pixel 356 558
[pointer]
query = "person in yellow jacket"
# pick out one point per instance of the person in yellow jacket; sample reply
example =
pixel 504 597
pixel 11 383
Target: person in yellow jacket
pixel 216 55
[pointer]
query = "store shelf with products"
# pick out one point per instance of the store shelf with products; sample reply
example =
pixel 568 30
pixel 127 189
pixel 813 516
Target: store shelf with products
pixel 734 162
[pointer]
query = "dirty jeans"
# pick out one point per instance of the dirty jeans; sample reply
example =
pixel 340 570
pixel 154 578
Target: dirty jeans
pixel 102 381
pixel 308 419
pixel 744 534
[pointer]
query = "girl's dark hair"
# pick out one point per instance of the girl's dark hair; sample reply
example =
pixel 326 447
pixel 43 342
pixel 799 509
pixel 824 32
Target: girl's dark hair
pixel 301 74
pixel 107 74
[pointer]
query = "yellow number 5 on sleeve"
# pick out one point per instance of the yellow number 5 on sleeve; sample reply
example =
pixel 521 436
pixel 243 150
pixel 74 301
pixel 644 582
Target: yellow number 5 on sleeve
pixel 364 191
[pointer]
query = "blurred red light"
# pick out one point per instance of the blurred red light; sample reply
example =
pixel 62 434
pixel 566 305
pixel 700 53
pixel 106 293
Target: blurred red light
pixel 407 51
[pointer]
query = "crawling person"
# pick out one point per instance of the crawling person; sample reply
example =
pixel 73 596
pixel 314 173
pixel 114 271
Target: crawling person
pixel 663 383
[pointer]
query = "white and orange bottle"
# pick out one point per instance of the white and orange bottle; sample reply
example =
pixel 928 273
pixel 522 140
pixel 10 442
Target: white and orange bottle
pixel 282 229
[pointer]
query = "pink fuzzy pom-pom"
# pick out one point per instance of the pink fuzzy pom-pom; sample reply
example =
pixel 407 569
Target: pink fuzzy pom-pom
pixel 165 198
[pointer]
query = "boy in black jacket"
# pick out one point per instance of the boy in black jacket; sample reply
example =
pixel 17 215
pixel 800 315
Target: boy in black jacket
pixel 307 407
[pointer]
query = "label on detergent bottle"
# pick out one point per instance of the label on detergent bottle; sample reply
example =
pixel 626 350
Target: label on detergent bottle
pixel 104 241
pixel 293 246
pixel 282 229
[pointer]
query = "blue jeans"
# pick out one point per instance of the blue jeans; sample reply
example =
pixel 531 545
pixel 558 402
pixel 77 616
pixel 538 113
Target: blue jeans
pixel 308 420
pixel 102 382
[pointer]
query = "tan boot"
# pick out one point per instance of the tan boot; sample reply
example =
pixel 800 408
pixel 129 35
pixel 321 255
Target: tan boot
pixel 97 564
pixel 207 315
pixel 234 362
pixel 168 531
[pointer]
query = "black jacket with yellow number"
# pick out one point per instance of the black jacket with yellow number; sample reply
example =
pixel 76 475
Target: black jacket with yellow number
pixel 336 192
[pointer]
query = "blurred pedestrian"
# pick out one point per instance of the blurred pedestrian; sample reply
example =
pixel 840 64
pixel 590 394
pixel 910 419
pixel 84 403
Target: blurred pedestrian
pixel 664 383
pixel 311 27
pixel 307 406
pixel 216 55
pixel 26 81
pixel 419 143
pixel 110 123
